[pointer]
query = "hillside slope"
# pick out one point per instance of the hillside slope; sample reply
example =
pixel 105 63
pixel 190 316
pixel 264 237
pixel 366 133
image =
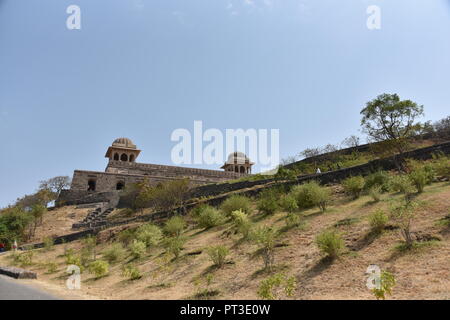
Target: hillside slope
pixel 423 273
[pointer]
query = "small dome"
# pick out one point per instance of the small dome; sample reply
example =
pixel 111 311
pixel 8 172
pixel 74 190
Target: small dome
pixel 238 157
pixel 124 143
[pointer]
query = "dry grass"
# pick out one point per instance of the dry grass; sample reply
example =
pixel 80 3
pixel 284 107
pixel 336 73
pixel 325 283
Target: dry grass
pixel 423 273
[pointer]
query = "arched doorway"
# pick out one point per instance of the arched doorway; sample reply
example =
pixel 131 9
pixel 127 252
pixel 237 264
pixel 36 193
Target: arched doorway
pixel 124 157
pixel 116 157
pixel 91 185
pixel 120 185
pixel 131 158
pixel 242 169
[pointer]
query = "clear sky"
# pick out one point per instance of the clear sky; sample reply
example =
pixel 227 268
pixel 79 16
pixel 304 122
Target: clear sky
pixel 142 68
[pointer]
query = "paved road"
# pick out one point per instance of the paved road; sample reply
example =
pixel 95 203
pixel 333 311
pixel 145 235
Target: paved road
pixel 11 289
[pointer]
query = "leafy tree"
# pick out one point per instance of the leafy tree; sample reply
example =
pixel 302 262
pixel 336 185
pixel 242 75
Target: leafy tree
pixel 55 184
pixel 265 237
pixel 392 121
pixel 351 142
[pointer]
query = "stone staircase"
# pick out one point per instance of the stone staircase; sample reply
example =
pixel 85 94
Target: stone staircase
pixel 96 217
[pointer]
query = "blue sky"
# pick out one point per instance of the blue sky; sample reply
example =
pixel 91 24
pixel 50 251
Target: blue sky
pixel 141 68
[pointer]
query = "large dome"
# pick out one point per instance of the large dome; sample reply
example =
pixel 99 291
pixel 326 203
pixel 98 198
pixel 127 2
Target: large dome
pixel 124 143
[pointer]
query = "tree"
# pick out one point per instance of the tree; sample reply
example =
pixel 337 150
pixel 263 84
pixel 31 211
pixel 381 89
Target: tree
pixel 389 120
pixel 351 142
pixel 55 184
pixel 310 152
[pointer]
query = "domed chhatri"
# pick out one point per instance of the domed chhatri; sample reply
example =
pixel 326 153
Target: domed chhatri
pixel 122 149
pixel 124 143
pixel 238 162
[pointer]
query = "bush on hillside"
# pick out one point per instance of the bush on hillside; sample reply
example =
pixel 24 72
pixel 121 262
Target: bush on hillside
pixel 378 221
pixel 149 234
pixel 265 238
pixel 330 243
pixel 375 193
pixel 131 272
pixel 236 202
pixel 209 217
pixel 288 203
pixel 311 194
pixel 242 223
pixel 114 253
pixel 137 249
pixel 378 179
pixel 218 254
pixel 354 186
pixel 174 245
pixel 267 202
pixel 99 268
pixel 175 226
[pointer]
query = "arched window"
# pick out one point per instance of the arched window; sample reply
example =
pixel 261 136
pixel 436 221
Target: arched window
pixel 236 169
pixel 242 169
pixel 124 157
pixel 132 158
pixel 91 185
pixel 120 185
pixel 116 156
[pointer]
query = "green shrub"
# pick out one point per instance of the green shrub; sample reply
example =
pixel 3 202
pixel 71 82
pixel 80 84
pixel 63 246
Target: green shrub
pixel 52 267
pixel 209 217
pixel 288 203
pixel 174 226
pixel 149 234
pixel 127 236
pixel 195 212
pixel 242 223
pixel 48 243
pixel 354 186
pixel 311 194
pixel 114 253
pixel 131 272
pixel 23 259
pixel 89 246
pixel 218 254
pixel 267 202
pixel 265 238
pixel 387 283
pixel 375 193
pixel 137 249
pixel 420 178
pixel 273 287
pixel 403 214
pixel 402 184
pixel 330 243
pixel 99 268
pixel 378 179
pixel 73 259
pixel 293 220
pixel 378 221
pixel 442 166
pixel 174 245
pixel 236 202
